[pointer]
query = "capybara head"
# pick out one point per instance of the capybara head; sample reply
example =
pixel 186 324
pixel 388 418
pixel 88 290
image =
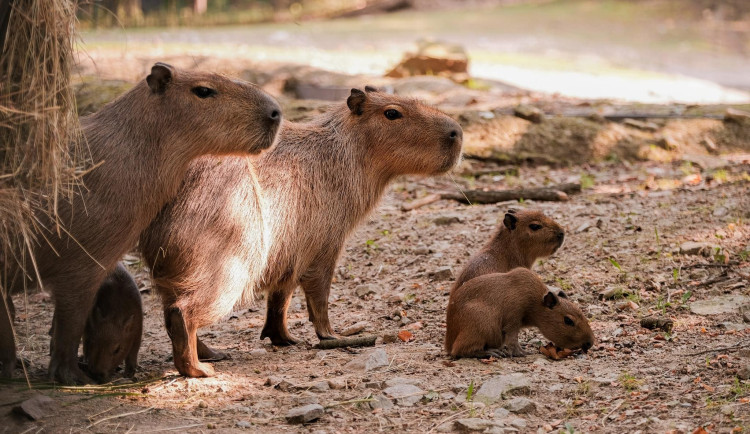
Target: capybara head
pixel 225 115
pixel 562 322
pixel 107 341
pixel 533 233
pixel 406 135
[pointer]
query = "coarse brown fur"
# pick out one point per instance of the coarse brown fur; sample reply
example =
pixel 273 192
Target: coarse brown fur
pixel 524 237
pixel 144 141
pixel 487 312
pixel 228 236
pixel 114 327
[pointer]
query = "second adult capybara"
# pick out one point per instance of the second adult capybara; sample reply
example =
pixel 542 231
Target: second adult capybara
pixel 114 327
pixel 486 313
pixel 524 237
pixel 227 236
pixel 143 143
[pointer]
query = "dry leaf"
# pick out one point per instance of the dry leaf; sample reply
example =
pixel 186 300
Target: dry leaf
pixel 551 351
pixel 405 335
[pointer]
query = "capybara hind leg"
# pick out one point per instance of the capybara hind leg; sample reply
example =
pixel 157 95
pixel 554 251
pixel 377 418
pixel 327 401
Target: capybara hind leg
pixel 7 340
pixel 276 327
pixel 184 345
pixel 317 287
pixel 72 308
pixel 131 360
pixel 208 354
pixel 467 344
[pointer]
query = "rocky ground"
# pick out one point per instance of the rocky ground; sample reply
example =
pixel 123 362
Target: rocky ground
pixel 643 239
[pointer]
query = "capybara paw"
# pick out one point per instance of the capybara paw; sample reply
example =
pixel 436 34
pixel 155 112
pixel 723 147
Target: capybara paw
pixel 213 356
pixel 199 370
pixel 516 351
pixel 279 339
pixel 495 352
pixel 71 375
pixel 328 336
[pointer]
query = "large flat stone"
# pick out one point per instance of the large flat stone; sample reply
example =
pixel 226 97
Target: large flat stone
pixel 720 304
pixel 405 394
pixel 368 361
pixel 498 387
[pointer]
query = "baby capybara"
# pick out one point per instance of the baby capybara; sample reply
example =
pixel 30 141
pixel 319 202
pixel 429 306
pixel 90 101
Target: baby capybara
pixel 228 235
pixel 143 143
pixel 114 328
pixel 486 313
pixel 524 237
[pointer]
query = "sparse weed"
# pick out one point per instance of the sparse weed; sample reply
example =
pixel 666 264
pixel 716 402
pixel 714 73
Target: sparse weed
pixel 629 382
pixel 587 181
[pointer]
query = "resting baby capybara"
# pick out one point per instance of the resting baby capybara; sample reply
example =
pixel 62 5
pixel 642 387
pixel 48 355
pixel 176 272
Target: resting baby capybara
pixel 227 236
pixel 114 328
pixel 524 237
pixel 486 313
pixel 144 142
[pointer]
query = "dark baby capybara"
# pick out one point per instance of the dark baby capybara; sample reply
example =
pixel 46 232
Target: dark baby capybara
pixel 114 328
pixel 524 237
pixel 486 313
pixel 228 235
pixel 143 143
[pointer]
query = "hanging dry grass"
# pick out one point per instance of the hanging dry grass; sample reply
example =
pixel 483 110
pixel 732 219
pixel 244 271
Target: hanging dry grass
pixel 41 144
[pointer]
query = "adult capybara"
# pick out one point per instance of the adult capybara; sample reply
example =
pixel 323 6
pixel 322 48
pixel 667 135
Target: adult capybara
pixel 227 236
pixel 114 327
pixel 524 237
pixel 486 313
pixel 144 142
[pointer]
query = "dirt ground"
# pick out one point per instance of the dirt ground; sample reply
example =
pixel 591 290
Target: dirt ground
pixel 623 232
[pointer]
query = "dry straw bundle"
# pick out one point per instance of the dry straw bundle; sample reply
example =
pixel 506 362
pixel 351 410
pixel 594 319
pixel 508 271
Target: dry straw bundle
pixel 40 138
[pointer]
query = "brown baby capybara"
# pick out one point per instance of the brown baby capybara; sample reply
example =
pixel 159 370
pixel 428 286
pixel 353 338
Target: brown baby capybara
pixel 486 313
pixel 227 236
pixel 114 328
pixel 524 237
pixel 143 143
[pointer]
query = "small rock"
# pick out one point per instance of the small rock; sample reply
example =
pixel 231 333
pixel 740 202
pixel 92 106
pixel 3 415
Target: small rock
pixel 736 115
pixel 202 404
pixel 258 352
pixel 354 328
pixel 696 248
pixel 520 405
pixel 744 372
pixel 612 292
pixel 720 212
pixel 368 361
pixel 584 227
pixel 501 413
pixel 380 401
pixel 668 142
pixel 497 387
pixel 366 289
pixel 733 326
pixel 473 424
pixel 320 386
pixel 718 305
pixel 36 407
pixel 287 386
pixel 626 305
pixel 405 395
pixel 517 422
pixel 304 414
pixel 273 381
pixel 390 338
pixel 529 113
pixel 618 331
pixel 745 310
pixel 603 381
pixel 337 383
pixel 244 424
pixel 446 220
pixel 306 398
pixel 441 274
pixel 398 380
pixel 421 250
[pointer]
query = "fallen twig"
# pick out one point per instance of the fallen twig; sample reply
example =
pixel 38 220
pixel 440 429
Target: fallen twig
pixel 117 416
pixel 734 347
pixel 558 192
pixel 351 401
pixel 363 341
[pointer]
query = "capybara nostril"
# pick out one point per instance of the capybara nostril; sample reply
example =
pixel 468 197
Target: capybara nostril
pixel 561 236
pixel 454 134
pixel 275 115
pixel 585 347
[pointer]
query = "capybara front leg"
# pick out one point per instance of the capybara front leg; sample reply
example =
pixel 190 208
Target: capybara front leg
pixel 7 340
pixel 185 345
pixel 208 354
pixel 317 287
pixel 69 320
pixel 511 345
pixel 276 325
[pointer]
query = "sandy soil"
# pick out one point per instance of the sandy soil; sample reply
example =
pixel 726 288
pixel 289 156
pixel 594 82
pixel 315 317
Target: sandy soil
pixel 634 379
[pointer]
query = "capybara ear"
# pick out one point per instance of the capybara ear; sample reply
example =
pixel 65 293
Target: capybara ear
pixel 550 300
pixel 562 294
pixel 369 88
pixel 356 100
pixel 510 220
pixel 160 77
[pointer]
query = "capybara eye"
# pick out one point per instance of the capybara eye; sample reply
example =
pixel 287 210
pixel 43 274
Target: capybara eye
pixel 203 92
pixel 393 114
pixel 535 227
pixel 568 321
